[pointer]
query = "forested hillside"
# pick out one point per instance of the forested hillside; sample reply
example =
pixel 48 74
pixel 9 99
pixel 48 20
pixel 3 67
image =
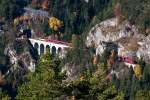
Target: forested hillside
pixel 94 68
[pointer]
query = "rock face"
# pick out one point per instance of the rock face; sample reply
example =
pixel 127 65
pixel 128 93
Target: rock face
pixel 144 50
pixel 73 70
pixel 23 61
pixel 125 35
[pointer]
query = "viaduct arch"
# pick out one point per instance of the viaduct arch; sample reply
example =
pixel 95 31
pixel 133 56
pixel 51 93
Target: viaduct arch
pixel 52 46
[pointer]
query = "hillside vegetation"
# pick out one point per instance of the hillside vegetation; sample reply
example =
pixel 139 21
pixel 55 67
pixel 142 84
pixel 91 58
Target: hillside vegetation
pixel 82 74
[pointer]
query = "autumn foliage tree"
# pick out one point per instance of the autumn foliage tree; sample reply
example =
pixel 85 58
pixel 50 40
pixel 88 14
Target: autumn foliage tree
pixel 45 5
pixel 55 23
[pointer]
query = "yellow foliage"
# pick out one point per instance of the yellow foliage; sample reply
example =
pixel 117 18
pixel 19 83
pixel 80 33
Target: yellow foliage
pixel 16 21
pixel 55 28
pixel 55 23
pixel 138 71
pixel 82 78
pixel 94 60
pixel 25 17
pixel 21 18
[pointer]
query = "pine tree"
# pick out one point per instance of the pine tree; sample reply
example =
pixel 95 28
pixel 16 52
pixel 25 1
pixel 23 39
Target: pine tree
pixel 45 82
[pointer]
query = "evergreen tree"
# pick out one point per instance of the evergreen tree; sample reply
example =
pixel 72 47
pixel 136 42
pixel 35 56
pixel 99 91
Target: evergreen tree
pixel 142 95
pixel 10 9
pixel 45 82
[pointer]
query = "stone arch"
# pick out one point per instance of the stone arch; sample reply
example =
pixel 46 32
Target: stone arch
pixel 59 50
pixel 53 50
pixel 47 49
pixel 36 46
pixel 41 49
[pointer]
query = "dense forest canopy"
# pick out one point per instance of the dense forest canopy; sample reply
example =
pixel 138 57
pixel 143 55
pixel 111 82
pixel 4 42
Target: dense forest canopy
pixel 78 14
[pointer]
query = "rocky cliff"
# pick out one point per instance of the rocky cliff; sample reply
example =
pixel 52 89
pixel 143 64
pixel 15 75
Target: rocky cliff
pixel 125 35
pixel 24 60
